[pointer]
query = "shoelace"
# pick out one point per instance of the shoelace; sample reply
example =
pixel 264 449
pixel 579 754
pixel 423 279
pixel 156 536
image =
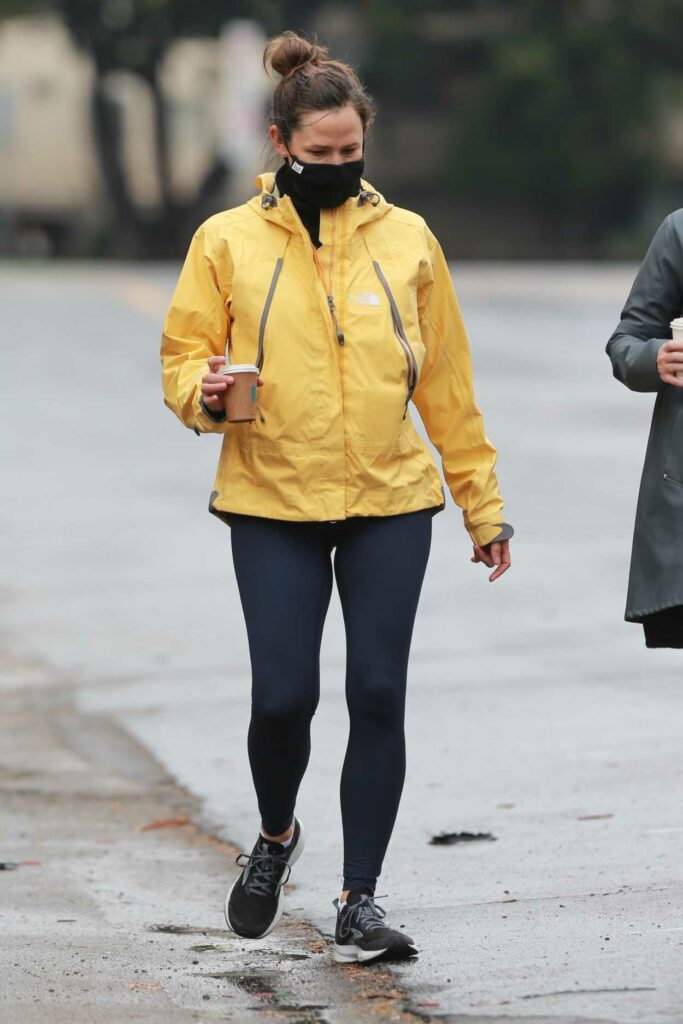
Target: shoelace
pixel 366 914
pixel 264 872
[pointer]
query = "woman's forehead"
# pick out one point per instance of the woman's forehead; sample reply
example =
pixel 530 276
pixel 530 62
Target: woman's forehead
pixel 330 126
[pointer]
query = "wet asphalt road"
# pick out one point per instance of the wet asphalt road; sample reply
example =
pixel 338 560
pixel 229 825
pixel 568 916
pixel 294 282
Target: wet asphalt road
pixel 534 712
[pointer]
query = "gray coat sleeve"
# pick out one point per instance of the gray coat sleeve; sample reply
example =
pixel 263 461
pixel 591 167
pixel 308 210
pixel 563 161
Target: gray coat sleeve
pixel 656 298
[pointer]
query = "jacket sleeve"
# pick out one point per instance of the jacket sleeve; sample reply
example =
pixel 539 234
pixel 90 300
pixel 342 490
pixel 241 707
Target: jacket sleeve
pixel 656 298
pixel 196 326
pixel 444 397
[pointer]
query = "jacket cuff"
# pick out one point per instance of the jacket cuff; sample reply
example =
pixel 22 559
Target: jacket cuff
pixel 490 533
pixel 215 416
pixel 205 421
pixel 643 368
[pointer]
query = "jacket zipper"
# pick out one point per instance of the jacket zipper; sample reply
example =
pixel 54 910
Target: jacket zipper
pixel 412 372
pixel 266 311
pixel 330 300
pixel 339 334
pixel 337 329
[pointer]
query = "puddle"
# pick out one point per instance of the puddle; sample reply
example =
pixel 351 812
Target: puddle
pixel 254 983
pixel 266 986
pixel 291 956
pixel 450 838
pixel 277 954
pixel 179 929
pixel 208 947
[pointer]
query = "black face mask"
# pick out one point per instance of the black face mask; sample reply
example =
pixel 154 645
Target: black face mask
pixel 324 185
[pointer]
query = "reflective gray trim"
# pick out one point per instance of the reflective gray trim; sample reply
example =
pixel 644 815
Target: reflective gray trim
pixel 266 309
pixel 506 533
pixel 216 417
pixel 223 516
pixel 411 376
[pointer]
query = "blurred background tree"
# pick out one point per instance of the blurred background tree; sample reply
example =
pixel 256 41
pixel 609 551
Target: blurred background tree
pixel 135 36
pixel 564 115
pixel 552 111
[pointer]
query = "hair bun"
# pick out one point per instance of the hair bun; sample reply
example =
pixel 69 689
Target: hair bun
pixel 289 52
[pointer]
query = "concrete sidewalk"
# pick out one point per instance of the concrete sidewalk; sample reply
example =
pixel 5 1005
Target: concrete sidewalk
pixel 534 712
pixel 111 896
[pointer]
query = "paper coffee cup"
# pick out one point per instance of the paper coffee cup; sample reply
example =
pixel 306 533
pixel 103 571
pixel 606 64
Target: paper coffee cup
pixel 240 396
pixel 677 334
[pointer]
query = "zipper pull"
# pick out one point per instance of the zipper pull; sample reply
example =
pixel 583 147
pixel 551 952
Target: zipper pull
pixel 340 336
pixel 410 395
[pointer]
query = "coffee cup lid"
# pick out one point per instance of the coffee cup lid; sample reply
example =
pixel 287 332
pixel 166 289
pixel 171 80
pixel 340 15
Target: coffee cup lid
pixel 240 368
pixel 678 322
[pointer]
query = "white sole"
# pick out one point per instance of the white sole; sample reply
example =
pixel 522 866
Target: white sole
pixel 350 954
pixel 278 913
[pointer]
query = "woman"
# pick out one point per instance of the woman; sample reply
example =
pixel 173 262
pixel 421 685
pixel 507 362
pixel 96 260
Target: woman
pixel 645 359
pixel 346 303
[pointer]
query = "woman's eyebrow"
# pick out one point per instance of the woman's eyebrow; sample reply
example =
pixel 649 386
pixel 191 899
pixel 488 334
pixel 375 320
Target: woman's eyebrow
pixel 321 147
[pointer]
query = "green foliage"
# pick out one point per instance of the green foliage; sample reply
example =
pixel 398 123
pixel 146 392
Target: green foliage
pixel 564 112
pixel 19 8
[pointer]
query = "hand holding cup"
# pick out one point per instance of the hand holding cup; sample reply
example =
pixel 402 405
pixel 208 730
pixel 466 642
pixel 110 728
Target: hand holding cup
pixel 215 384
pixel 670 356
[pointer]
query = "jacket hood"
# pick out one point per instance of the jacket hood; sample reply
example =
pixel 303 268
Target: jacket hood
pixel 368 205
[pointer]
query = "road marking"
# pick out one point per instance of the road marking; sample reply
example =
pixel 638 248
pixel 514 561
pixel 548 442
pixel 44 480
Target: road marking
pixel 142 296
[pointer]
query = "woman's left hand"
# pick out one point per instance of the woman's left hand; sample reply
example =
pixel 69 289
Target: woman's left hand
pixel 496 553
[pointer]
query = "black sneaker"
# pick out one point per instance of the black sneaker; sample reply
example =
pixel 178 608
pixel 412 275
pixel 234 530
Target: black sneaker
pixel 253 905
pixel 361 935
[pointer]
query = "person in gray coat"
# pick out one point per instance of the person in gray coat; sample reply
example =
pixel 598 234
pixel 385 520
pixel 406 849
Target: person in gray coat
pixel 645 358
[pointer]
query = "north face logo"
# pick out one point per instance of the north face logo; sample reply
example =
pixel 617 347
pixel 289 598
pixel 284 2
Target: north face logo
pixel 365 299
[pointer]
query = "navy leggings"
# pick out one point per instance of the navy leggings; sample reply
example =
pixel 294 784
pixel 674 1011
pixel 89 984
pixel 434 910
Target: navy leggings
pixel 284 573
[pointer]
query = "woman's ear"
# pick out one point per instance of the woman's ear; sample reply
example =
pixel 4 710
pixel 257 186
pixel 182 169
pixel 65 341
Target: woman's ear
pixel 277 141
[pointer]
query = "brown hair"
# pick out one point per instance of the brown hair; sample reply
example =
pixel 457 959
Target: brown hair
pixel 311 82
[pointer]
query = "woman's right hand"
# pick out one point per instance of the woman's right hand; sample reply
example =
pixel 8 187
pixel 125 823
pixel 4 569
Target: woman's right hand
pixel 214 384
pixel 670 361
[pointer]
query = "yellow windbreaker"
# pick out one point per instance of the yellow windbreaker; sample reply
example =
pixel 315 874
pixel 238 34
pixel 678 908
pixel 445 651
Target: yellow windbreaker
pixel 346 336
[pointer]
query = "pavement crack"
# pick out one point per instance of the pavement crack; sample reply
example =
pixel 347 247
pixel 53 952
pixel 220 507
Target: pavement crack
pixel 589 991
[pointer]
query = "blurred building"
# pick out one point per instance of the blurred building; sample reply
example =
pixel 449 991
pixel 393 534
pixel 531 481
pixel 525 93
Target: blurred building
pixel 51 188
pixel 48 174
